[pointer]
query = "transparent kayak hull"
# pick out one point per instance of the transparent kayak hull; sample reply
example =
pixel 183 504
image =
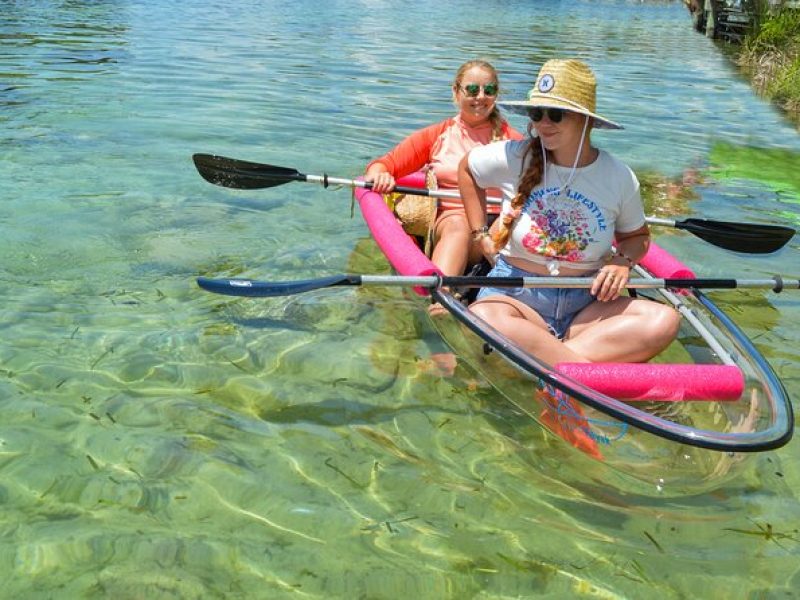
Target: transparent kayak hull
pixel 656 441
pixel 667 446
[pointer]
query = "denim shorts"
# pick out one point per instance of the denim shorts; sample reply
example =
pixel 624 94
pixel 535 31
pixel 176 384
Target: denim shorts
pixel 557 306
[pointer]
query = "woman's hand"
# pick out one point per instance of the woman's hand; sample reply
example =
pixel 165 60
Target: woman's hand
pixel 610 281
pixel 614 276
pixel 382 181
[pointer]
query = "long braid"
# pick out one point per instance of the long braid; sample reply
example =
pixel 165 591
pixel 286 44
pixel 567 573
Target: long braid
pixel 528 180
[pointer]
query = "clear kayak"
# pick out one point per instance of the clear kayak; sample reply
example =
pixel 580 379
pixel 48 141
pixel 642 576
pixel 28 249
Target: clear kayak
pixel 683 421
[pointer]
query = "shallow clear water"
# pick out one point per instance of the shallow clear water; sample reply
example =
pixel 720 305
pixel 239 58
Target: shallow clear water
pixel 157 441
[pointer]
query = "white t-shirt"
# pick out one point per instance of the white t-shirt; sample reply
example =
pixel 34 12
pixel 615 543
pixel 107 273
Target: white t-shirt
pixel 573 228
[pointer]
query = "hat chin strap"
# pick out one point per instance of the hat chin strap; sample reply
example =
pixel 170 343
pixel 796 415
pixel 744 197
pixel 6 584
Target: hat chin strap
pixel 552 264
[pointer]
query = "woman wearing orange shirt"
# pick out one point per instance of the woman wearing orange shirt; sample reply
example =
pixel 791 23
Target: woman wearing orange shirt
pixel 439 148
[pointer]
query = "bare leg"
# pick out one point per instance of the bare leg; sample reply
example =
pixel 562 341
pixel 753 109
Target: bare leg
pixel 624 330
pixel 526 328
pixel 452 248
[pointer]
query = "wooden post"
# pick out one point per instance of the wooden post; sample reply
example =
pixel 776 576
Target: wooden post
pixel 710 11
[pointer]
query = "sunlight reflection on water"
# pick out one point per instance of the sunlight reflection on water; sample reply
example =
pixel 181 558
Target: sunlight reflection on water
pixel 164 442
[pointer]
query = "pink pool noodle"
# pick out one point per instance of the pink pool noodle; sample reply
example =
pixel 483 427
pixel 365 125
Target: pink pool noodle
pixel 396 244
pixel 665 266
pixel 665 382
pixel 414 180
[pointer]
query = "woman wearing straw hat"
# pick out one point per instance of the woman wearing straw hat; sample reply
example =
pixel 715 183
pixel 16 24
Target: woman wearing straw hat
pixel 438 148
pixel 566 205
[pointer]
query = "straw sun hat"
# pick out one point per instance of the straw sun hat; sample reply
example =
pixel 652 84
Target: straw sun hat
pixel 568 84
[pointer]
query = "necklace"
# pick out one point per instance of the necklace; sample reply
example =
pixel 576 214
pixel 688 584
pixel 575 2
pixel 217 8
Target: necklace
pixel 564 186
pixel 555 201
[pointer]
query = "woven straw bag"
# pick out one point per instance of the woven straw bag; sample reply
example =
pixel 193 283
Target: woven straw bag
pixel 418 213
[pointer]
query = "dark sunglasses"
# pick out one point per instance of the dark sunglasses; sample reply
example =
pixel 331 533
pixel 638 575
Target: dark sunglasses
pixel 554 114
pixel 473 89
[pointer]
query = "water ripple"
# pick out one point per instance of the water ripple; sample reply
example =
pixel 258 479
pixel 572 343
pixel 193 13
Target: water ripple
pixel 160 441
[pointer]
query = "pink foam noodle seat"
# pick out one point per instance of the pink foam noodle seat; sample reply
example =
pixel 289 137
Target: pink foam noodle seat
pixel 400 248
pixel 414 180
pixel 661 382
pixel 665 266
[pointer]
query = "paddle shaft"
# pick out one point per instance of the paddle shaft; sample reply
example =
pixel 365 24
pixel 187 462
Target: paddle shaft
pixel 263 289
pixel 325 181
pixel 769 238
pixel 749 238
pixel 776 284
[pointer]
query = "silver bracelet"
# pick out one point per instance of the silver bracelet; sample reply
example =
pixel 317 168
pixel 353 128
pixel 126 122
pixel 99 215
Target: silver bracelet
pixel 477 234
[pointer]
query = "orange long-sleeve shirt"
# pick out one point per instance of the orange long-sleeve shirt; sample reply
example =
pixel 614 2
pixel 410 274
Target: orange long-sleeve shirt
pixel 440 146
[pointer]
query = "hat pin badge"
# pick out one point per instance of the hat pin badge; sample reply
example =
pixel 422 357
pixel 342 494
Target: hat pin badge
pixel 546 83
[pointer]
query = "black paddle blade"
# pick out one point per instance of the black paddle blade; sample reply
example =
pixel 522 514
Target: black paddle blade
pixel 268 289
pixel 242 175
pixel 749 238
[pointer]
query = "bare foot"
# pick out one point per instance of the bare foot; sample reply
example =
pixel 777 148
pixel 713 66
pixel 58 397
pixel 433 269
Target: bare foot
pixel 442 364
pixel 445 363
pixel 436 310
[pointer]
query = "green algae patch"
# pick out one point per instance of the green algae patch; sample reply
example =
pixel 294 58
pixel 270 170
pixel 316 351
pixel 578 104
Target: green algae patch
pixel 776 169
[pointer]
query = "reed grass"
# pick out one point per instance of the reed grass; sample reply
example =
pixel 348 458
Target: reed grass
pixel 771 56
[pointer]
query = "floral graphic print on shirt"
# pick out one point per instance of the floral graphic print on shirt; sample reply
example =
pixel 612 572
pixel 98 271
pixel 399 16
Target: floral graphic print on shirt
pixel 560 228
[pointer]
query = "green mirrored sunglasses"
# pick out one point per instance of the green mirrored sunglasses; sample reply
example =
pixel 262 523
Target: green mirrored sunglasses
pixel 473 89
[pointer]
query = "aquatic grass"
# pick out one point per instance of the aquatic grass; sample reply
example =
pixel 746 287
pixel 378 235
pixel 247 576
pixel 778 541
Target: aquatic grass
pixel 221 438
pixel 664 195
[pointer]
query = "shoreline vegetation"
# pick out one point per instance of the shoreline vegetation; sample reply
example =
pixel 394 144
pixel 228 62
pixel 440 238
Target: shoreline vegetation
pixel 767 33
pixel 770 55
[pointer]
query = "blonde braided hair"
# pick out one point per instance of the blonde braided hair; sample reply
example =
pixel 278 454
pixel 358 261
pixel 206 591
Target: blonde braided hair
pixel 528 180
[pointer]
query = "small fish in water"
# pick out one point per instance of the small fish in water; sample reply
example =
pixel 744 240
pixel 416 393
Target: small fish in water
pixel 384 440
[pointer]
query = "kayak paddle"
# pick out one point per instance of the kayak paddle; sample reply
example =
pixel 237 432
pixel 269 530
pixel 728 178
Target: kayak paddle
pixel 266 289
pixel 749 238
